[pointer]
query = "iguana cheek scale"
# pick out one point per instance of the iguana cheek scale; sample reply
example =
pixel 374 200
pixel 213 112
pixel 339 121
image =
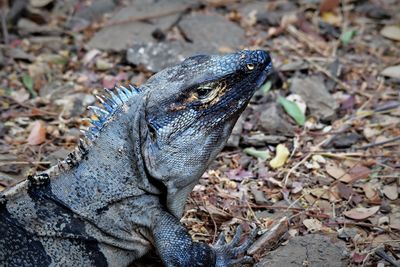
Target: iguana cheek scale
pixel 122 191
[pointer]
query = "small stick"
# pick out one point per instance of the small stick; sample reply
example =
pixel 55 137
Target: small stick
pixel 378 143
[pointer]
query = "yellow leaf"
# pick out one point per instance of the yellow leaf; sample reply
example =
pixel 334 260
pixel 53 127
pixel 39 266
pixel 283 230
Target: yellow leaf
pixel 282 154
pixel 331 18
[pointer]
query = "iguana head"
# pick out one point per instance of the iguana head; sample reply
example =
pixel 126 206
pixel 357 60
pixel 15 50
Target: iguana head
pixel 190 111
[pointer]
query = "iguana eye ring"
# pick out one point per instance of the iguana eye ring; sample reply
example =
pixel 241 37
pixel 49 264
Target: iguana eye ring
pixel 250 66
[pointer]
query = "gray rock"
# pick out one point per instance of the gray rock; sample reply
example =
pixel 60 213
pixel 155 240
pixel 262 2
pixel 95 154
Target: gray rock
pixel 120 36
pixel 273 123
pixel 209 33
pixel 156 56
pixel 311 250
pixel 319 102
pixel 90 12
pixel 345 140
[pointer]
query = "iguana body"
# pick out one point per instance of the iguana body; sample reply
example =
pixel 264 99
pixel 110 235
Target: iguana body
pixel 122 193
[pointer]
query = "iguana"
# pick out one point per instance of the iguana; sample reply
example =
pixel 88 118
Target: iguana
pixel 122 192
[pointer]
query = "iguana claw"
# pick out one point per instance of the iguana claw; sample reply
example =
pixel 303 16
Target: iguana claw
pixel 226 254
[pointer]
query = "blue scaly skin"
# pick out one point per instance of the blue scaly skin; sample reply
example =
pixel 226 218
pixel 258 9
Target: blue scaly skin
pixel 122 192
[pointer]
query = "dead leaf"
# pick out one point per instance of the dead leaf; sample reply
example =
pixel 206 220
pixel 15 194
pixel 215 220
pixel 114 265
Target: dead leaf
pixel 338 173
pixel 370 191
pixel 312 225
pixel 346 192
pixel 38 134
pixel 328 5
pixel 361 213
pixel 370 132
pixel 20 96
pixel 391 32
pixel 299 101
pixel 282 154
pixel 324 193
pixel 395 221
pixel 392 72
pixel 89 56
pixel 331 18
pixel 391 191
pixel 359 172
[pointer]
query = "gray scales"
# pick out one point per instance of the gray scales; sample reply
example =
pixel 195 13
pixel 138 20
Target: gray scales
pixel 122 192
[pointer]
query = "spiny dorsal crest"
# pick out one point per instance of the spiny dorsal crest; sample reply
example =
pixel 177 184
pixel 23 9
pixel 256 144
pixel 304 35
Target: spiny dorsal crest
pixel 111 102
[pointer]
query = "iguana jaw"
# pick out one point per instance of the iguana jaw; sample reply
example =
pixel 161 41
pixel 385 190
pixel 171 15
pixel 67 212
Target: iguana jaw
pixel 191 126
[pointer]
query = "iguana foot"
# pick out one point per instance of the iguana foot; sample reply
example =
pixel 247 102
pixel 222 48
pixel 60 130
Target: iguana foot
pixel 226 254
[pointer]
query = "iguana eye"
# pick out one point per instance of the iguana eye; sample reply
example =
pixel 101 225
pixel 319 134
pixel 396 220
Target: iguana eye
pixel 250 66
pixel 203 92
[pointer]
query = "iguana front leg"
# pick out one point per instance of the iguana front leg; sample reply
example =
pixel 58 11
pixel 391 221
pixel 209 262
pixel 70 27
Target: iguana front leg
pixel 176 248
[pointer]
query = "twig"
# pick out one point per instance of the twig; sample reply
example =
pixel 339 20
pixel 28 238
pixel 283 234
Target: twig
pixel 304 39
pixel 212 219
pixel 328 74
pixel 382 254
pixel 378 143
pixel 295 167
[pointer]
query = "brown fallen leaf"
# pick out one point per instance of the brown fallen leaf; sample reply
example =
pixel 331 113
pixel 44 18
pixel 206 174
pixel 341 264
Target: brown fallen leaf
pixel 338 173
pixel 346 192
pixel 391 191
pixel 359 172
pixel 328 5
pixel 312 225
pixel 392 72
pixel 38 134
pixel 370 191
pixel 391 32
pixel 361 213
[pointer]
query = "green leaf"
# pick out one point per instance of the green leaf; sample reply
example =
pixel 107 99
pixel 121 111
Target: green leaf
pixel 261 154
pixel 347 36
pixel 28 82
pixel 293 110
pixel 266 87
